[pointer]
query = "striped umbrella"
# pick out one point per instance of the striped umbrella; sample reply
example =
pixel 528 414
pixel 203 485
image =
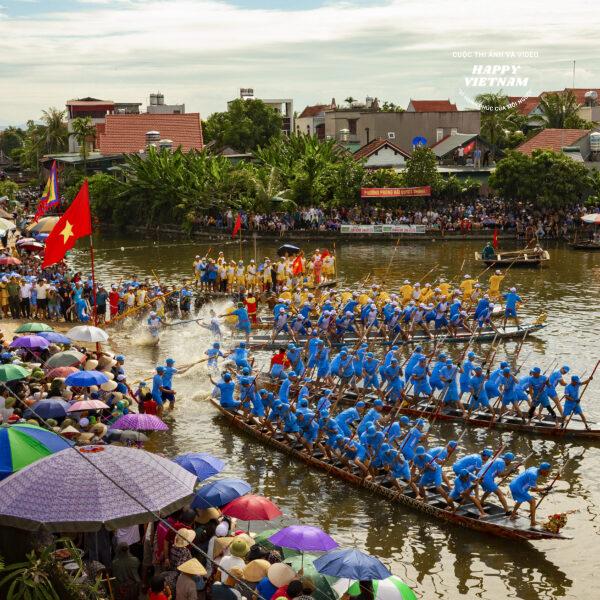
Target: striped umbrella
pixel 23 444
pixel 392 588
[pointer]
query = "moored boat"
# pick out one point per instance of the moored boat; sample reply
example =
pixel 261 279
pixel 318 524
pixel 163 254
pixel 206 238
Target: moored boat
pixel 495 522
pixel 534 257
pixel 589 245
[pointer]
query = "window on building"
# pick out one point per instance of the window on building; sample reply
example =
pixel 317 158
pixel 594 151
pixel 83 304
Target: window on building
pixel 439 134
pixel 391 135
pixel 352 126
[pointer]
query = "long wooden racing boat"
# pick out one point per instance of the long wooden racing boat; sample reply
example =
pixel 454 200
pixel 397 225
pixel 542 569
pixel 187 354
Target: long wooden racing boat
pixel 589 245
pixel 264 341
pixel 519 258
pixel 495 523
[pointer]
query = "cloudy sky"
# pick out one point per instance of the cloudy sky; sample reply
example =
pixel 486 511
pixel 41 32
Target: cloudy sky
pixel 201 52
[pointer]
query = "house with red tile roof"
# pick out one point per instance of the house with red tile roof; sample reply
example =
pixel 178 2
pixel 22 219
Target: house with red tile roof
pixel 431 106
pixel 126 134
pixel 573 142
pixel 312 119
pixel 382 154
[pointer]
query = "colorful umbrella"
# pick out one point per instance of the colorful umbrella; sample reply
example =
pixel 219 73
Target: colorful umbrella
pixel 219 493
pixel 139 422
pixel 24 240
pixel 304 538
pixel 86 378
pixel 252 508
pixel 33 328
pixel 202 465
pixel 32 246
pixel 264 539
pixel 87 405
pixel 9 260
pixel 49 408
pixel 44 225
pixel 23 444
pixel 5 224
pixel 87 488
pixel 29 341
pixel 11 372
pixel 60 372
pixel 54 337
pixel 392 588
pixel 351 564
pixel 591 218
pixel 87 333
pixel 68 358
pixel 324 583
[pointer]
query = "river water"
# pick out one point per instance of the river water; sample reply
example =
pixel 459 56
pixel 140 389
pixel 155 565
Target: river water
pixel 439 561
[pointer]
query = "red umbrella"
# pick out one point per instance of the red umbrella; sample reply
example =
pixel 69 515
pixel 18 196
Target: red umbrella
pixel 252 508
pixel 9 260
pixel 61 372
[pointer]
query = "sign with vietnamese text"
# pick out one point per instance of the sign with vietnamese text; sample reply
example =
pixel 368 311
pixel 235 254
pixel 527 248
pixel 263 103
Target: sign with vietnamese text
pixel 395 192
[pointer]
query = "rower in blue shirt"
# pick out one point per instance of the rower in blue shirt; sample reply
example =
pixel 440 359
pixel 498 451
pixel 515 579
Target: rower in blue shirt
pixel 442 454
pixel 169 393
pixel 434 379
pixel 343 367
pixel 157 387
pixel 322 362
pixel 511 299
pixel 472 462
pixel 309 429
pixel 573 399
pixel 354 452
pixel 450 387
pixel 214 353
pixel 226 388
pixel 557 378
pixel 479 397
pixel 466 372
pixel 412 439
pixel 463 491
pixel 294 355
pixel 431 473
pixel 371 416
pixel 420 378
pixel 488 474
pixel 521 486
pixel 412 361
pixel 349 417
pixel 538 389
pixel 324 402
pixel 370 367
pixel 240 356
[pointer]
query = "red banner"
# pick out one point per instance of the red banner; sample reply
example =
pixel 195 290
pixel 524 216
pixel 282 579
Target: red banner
pixel 395 192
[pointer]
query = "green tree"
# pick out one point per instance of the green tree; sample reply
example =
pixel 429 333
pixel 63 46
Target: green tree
pixel 350 101
pixel 84 132
pixel 498 120
pixel 559 111
pixel 33 145
pixel 245 126
pixel 390 107
pixel 56 135
pixel 421 169
pixel 11 138
pixel 8 188
pixel 514 178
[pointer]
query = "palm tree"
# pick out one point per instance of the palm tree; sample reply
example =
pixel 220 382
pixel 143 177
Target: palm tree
pixel 559 111
pixel 350 101
pixel 55 130
pixel 498 119
pixel 84 131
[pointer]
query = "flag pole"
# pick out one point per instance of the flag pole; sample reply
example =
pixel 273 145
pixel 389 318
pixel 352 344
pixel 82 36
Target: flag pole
pixel 94 292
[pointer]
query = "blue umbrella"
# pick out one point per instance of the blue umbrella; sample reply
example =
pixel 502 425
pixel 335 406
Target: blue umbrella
pixel 86 378
pixel 55 338
pixel 351 564
pixel 50 408
pixel 202 465
pixel 219 493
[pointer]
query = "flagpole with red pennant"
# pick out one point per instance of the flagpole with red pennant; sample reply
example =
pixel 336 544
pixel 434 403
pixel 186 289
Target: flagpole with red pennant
pixel 75 223
pixel 50 196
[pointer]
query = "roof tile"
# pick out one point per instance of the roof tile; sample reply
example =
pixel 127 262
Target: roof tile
pixel 314 111
pixel 374 146
pixel 433 106
pixel 552 139
pixel 127 133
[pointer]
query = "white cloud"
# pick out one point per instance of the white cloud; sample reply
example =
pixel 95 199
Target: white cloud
pixel 201 51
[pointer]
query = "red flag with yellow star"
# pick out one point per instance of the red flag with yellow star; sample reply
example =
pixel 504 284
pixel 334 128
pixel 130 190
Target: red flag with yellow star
pixel 74 224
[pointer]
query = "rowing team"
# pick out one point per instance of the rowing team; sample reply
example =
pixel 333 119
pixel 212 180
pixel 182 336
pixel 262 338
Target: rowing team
pixel 377 445
pixel 270 275
pixel 466 386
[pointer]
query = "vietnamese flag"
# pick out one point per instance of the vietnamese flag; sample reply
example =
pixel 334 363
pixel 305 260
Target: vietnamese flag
pixel 495 239
pixel 237 226
pixel 298 265
pixel 74 224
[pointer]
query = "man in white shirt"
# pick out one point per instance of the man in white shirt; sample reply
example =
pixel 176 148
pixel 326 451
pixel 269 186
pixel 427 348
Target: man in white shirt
pixel 42 299
pixel 25 294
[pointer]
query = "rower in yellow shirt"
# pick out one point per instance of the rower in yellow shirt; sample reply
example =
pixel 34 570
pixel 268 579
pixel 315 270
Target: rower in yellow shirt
pixel 427 294
pixel 444 287
pixel 495 281
pixel 406 292
pixel 466 287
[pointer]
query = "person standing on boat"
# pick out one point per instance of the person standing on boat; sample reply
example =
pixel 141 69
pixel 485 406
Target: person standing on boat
pixel 487 476
pixel 214 353
pixel 557 378
pixel 538 390
pixel 412 439
pixel 466 287
pixel 508 387
pixel 420 378
pixel 434 380
pixel 495 281
pixel 463 491
pixel 466 372
pixel 511 300
pixel 294 355
pixel 371 416
pixel 521 486
pixel 479 397
pixel 412 361
pixel 572 400
pixel 371 374
pixel 243 320
pixel 154 325
pixel 431 473
pixel 348 417
pixel 168 394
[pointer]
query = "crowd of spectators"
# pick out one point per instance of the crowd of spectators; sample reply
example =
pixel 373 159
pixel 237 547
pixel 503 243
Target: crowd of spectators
pixel 449 217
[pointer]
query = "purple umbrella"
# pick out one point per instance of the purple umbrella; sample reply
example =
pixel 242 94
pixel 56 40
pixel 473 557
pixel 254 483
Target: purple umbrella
pixel 84 489
pixel 139 422
pixel 304 538
pixel 29 341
